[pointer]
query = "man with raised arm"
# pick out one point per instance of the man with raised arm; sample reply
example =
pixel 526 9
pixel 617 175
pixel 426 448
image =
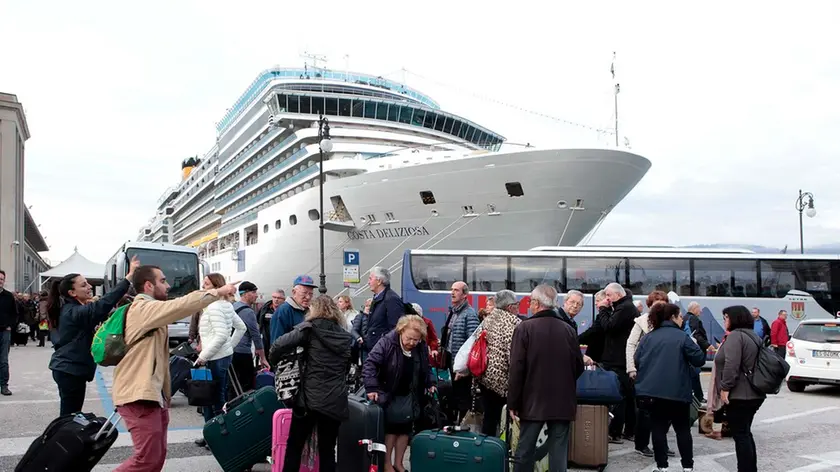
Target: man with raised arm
pixel 141 388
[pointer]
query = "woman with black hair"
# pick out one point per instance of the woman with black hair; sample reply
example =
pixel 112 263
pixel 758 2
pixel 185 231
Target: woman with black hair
pixel 664 361
pixel 737 355
pixel 74 317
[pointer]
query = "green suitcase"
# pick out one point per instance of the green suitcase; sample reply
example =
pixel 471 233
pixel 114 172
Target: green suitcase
pixel 456 448
pixel 241 437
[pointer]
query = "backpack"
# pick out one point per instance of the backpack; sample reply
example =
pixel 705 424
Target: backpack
pixel 108 347
pixel 769 371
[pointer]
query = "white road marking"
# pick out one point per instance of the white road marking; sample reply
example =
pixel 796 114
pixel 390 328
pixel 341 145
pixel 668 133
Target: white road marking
pixel 799 415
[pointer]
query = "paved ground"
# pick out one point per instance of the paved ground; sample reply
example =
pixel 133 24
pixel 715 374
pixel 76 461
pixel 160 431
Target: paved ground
pixel 794 432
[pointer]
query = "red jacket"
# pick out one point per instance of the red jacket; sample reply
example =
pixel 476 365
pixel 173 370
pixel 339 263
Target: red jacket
pixel 779 333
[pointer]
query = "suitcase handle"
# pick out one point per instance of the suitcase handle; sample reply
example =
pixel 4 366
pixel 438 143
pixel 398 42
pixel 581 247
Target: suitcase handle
pixel 242 399
pixel 107 423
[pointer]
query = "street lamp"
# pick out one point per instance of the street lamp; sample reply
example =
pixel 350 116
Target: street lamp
pixel 805 203
pixel 324 145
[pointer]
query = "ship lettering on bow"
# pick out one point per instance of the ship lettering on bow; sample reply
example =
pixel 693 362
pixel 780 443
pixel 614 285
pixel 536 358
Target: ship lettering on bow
pixel 385 233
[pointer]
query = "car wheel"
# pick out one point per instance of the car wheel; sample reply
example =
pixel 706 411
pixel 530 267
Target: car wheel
pixel 794 386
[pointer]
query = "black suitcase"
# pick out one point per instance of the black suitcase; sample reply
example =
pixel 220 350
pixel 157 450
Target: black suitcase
pixel 179 372
pixel 366 423
pixel 74 442
pixel 185 350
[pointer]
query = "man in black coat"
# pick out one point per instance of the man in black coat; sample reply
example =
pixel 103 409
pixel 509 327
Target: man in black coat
pixel 545 362
pixel 616 327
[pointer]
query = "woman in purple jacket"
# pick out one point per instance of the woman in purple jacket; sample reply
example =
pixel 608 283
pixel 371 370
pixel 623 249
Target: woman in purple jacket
pixel 396 375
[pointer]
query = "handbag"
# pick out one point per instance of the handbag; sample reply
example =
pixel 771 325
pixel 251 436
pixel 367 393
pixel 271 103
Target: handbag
pixel 402 409
pixel 202 388
pixel 477 363
pixel 463 355
pixel 769 372
pixel 288 375
pixel 598 387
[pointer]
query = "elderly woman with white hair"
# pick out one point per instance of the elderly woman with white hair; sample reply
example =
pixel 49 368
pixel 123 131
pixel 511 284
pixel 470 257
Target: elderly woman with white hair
pixel 499 324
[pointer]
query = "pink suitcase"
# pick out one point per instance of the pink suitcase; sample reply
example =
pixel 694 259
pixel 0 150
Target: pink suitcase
pixel 280 436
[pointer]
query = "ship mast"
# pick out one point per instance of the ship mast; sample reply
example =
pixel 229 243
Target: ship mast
pixel 617 89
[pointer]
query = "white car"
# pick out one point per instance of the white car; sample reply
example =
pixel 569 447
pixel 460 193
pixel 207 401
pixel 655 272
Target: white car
pixel 814 354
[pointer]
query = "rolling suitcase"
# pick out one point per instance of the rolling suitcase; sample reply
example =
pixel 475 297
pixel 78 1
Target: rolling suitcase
pixel 179 372
pixel 366 423
pixel 588 437
pixel 280 437
pixel 457 448
pixel 241 436
pixel 74 442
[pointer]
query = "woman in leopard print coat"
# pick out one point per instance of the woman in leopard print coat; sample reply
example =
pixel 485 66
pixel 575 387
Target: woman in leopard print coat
pixel 499 324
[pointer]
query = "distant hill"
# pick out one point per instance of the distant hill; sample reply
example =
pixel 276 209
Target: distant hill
pixel 819 249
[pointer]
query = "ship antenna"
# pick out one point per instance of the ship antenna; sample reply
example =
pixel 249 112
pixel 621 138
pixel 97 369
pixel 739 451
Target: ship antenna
pixel 617 89
pixel 315 59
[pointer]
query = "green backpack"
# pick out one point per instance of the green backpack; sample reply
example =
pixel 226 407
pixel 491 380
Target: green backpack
pixel 109 347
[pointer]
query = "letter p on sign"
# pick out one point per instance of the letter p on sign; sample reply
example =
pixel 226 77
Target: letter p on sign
pixel 351 257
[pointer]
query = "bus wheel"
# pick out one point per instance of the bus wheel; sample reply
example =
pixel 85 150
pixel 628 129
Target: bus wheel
pixel 794 386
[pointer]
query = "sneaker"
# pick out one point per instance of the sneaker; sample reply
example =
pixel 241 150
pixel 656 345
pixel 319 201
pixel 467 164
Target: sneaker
pixel 5 391
pixel 671 453
pixel 616 440
pixel 646 452
pixel 688 469
pixel 629 437
pixel 660 469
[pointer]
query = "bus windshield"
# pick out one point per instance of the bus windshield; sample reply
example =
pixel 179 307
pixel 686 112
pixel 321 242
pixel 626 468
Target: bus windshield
pixel 180 268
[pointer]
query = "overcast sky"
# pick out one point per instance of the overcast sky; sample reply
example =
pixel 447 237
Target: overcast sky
pixel 735 104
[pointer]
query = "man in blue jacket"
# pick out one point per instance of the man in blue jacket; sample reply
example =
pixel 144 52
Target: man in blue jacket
pixel 385 309
pixel 292 312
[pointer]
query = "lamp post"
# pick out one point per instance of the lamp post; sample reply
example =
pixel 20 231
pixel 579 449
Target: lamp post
pixel 805 203
pixel 324 146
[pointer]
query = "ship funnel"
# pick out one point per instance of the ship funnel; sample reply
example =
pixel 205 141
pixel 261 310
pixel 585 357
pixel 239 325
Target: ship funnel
pixel 187 167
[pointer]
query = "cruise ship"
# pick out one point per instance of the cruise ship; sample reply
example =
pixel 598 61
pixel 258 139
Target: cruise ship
pixel 399 173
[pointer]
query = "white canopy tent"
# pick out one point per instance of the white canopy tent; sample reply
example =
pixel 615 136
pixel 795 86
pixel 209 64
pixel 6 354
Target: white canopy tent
pixel 76 264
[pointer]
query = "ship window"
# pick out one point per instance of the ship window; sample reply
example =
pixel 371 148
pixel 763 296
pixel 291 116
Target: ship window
pixel 429 122
pixel 294 103
pixel 456 127
pixel 428 197
pixel 447 125
pixel 370 109
pixel 265 228
pixel 463 132
pixel 514 189
pixel 278 224
pixel 393 112
pixel 382 111
pixel 332 106
pixel 344 106
pixel 317 105
pixel 306 104
pixel 293 220
pixel 358 108
pixel 314 215
pixel 417 119
pixel 440 122
pixel 405 114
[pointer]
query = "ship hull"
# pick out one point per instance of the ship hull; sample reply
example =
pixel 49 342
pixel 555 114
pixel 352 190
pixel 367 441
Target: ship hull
pixel 472 210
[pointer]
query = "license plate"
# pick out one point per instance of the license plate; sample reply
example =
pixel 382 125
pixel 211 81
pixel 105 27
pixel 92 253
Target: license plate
pixel 827 354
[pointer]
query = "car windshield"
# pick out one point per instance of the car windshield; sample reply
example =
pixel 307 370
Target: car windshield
pixel 818 333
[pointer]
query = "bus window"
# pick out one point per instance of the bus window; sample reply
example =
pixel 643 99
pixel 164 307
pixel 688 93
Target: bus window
pixel 712 278
pixel 777 278
pixel 436 272
pixel 745 278
pixel 487 274
pixel 592 274
pixel 528 272
pixel 647 275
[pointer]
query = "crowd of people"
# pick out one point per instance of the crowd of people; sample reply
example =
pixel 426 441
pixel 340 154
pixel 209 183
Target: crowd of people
pixel 655 349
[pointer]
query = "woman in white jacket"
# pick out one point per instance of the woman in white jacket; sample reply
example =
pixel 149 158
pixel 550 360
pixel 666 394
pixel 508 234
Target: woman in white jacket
pixel 217 343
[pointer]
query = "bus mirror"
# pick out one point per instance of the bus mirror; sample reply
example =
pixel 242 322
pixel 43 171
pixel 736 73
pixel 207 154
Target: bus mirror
pixel 205 269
